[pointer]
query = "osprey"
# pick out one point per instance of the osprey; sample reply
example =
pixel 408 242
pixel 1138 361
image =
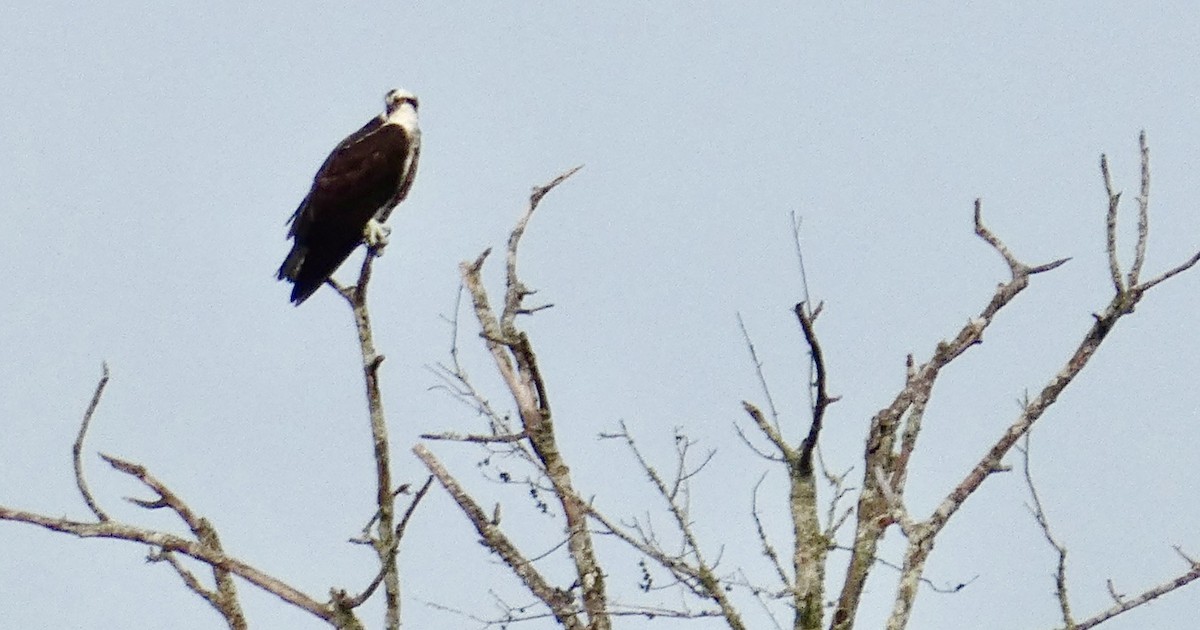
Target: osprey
pixel 353 193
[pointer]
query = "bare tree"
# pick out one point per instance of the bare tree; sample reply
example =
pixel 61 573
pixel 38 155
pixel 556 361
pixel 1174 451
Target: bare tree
pixel 585 599
pixel 880 505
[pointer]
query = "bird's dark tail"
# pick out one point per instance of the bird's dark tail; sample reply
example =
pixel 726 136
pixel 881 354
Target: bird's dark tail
pixel 308 268
pixel 291 265
pixel 293 270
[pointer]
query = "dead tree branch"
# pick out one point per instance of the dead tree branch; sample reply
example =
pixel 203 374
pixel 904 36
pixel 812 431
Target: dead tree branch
pixel 810 543
pixel 1039 514
pixel 172 543
pixel 206 547
pixel 384 570
pixel 515 360
pixel 385 542
pixel 77 449
pixel 224 598
pixel 560 602
pixel 1127 293
pixel 688 565
pixel 1126 604
pixel 874 512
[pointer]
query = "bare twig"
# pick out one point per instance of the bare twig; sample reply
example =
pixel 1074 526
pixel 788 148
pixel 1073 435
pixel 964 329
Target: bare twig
pixel 837 483
pixel 361 598
pixel 480 439
pixel 807 321
pixel 767 548
pixel 189 579
pixel 1125 604
pixel 513 614
pixel 517 363
pixel 810 544
pixel 1110 225
pixel 77 449
pixel 1112 591
pixel 1167 275
pixel 758 372
pixel 948 588
pixel 898 513
pixel 1186 558
pixel 1143 202
pixel 1039 514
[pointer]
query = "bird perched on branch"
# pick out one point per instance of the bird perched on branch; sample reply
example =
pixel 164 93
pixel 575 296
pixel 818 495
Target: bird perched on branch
pixel 353 193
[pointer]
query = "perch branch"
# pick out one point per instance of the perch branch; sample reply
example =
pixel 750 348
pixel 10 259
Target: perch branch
pixel 385 543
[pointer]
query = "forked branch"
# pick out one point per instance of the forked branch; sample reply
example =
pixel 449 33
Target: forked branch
pixel 206 547
pixel 1128 291
pixel 894 433
pixel 515 360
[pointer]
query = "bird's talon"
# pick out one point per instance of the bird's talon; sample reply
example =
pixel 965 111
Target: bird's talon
pixel 376 235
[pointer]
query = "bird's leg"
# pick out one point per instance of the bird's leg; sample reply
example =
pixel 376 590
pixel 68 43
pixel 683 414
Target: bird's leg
pixel 375 235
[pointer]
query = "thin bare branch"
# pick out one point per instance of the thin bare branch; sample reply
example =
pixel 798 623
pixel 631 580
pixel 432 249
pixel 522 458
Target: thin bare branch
pixel 698 574
pixel 516 290
pixel 1039 514
pixel 765 541
pixel 746 440
pixel 189 579
pixel 358 600
pixel 1123 303
pixel 77 449
pixel 1110 226
pixel 1167 275
pixel 809 542
pixel 758 371
pixel 948 589
pixel 1129 603
pixel 173 543
pixel 1143 202
pixel 517 363
pixel 480 439
pixel 224 599
pixel 837 483
pixel 897 512
pixel 786 451
pixel 1186 558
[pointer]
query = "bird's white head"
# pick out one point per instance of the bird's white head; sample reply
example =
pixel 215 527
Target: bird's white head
pixel 401 108
pixel 396 99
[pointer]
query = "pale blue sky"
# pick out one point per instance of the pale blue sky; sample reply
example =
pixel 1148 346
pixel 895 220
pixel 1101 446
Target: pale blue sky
pixel 151 155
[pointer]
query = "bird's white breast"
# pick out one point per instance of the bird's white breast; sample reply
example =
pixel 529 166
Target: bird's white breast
pixel 406 117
